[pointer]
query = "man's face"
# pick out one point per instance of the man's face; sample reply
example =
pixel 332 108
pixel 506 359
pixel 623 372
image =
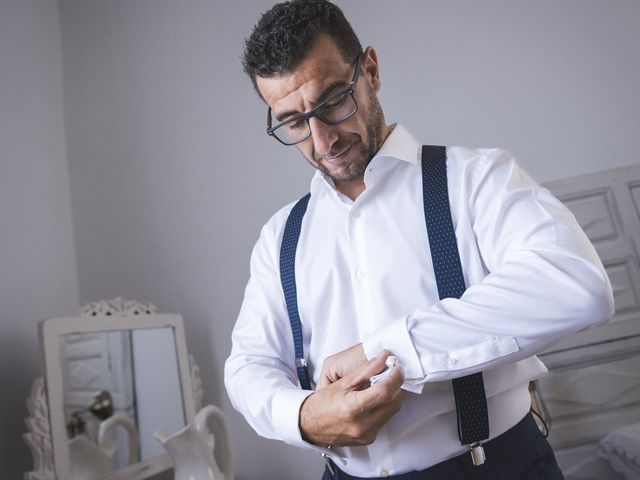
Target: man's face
pixel 340 151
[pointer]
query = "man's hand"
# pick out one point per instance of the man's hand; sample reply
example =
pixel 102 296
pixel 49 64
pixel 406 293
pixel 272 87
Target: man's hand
pixel 348 412
pixel 340 364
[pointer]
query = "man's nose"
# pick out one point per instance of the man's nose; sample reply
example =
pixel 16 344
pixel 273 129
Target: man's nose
pixel 323 135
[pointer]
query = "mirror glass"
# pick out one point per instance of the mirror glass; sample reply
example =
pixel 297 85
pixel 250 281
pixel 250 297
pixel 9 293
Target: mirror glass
pixel 133 371
pixel 112 380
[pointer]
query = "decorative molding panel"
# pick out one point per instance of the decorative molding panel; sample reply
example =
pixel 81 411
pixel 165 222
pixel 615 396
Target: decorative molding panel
pixel 634 189
pixel 625 284
pixel 583 463
pixel 593 211
pixel 593 386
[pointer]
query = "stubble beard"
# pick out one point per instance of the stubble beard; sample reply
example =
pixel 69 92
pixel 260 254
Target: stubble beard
pixel 355 170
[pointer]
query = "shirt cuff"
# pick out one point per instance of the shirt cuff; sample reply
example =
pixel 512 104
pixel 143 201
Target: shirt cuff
pixel 468 358
pixel 285 413
pixel 395 338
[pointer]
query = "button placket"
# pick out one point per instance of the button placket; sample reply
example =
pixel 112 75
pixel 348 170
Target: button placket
pixel 381 453
pixel 358 244
pixel 359 266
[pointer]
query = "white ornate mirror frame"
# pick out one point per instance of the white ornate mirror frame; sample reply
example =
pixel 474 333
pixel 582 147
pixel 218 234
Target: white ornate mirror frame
pixel 47 436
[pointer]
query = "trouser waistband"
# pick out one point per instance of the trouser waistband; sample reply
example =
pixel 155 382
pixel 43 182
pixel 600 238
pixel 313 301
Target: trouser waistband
pixel 497 450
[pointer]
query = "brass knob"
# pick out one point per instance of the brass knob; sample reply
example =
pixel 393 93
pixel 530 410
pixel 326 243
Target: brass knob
pixel 102 405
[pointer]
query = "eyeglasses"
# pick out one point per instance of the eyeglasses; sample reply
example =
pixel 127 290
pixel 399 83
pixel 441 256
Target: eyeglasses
pixel 333 110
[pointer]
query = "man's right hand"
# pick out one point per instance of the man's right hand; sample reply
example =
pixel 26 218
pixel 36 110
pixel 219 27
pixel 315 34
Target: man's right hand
pixel 348 412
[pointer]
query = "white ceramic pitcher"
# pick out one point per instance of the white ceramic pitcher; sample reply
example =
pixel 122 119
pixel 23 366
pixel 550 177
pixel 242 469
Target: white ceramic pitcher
pixel 90 460
pixel 191 448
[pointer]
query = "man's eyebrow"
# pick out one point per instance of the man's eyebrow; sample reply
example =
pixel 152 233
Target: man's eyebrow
pixel 326 93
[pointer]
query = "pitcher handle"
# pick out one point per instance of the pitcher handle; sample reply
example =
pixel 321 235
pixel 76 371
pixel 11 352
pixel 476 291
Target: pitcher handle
pixel 201 425
pixel 134 441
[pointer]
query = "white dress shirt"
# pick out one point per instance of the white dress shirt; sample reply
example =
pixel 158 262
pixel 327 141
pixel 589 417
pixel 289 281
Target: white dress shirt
pixel 364 274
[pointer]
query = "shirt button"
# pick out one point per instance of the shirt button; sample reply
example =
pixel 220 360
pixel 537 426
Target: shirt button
pixel 357 214
pixel 452 361
pixel 384 472
pixel 360 274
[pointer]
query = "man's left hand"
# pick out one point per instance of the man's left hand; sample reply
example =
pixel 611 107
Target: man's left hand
pixel 340 364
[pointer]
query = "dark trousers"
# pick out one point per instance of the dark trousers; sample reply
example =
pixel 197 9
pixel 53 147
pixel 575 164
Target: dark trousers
pixel 521 453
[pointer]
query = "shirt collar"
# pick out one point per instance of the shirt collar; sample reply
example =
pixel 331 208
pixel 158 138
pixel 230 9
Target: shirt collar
pixel 400 145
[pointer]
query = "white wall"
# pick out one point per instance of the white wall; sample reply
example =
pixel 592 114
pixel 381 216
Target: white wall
pixel 554 82
pixel 172 175
pixel 37 264
pixel 159 147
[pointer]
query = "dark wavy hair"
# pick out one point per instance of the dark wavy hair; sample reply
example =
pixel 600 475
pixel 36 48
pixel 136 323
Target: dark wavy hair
pixel 285 34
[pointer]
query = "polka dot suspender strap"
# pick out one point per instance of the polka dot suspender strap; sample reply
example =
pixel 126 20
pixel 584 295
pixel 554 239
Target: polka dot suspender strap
pixel 470 397
pixel 288 280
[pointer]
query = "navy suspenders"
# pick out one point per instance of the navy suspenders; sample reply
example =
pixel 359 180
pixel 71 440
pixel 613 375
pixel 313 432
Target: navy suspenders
pixel 471 400
pixel 288 280
pixel 471 403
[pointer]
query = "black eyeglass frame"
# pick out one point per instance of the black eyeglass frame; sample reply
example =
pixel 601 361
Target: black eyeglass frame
pixel 350 90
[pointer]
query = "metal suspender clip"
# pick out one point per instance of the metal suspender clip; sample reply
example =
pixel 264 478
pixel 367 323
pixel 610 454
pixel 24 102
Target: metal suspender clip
pixel 477 454
pixel 301 362
pixel 327 461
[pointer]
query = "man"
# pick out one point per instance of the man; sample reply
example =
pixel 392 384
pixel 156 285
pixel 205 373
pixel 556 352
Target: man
pixel 365 279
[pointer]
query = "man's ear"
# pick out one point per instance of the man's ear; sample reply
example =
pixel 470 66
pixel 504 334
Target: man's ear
pixel 372 68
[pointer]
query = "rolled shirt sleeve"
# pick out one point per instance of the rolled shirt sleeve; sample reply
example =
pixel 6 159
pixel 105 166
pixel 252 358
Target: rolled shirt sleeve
pixel 545 283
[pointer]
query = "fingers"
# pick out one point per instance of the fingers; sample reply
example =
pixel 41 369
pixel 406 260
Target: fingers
pixel 367 370
pixel 324 381
pixel 327 374
pixel 324 378
pixel 345 412
pixel 395 378
pixel 383 391
pixel 341 364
